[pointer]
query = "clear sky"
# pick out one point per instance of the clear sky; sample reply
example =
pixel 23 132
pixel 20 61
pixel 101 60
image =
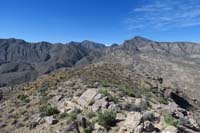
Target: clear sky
pixel 105 21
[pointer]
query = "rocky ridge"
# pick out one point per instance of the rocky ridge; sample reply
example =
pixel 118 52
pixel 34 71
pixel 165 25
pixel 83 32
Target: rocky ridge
pixel 93 99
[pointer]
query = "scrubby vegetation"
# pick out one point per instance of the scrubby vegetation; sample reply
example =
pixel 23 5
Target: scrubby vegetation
pixel 107 118
pixel 170 120
pixel 23 98
pixel 47 110
pixel 105 92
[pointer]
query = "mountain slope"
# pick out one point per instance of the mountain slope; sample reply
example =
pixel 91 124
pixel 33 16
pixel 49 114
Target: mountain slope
pixel 28 60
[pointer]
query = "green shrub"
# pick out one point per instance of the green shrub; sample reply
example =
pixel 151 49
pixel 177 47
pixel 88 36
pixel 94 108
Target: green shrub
pixel 44 88
pixel 90 114
pixel 86 130
pixel 73 115
pixel 104 92
pixel 47 110
pixel 114 99
pixel 107 118
pixel 63 115
pixel 170 120
pixel 105 84
pixel 127 91
pixel 162 100
pixel 23 97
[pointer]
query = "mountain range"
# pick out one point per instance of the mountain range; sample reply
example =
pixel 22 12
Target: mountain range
pixel 21 61
pixel 138 86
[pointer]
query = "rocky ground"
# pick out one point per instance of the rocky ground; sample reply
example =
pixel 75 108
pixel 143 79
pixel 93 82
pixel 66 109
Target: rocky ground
pixel 99 98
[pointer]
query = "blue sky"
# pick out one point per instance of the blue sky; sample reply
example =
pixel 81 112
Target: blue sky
pixel 105 21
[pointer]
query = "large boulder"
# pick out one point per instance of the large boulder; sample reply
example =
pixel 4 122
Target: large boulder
pixel 133 119
pixel 87 97
pixel 148 126
pixel 139 129
pixel 67 106
pixel 170 129
pixel 99 104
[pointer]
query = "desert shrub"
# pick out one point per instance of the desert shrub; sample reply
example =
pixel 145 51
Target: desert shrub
pixel 127 91
pixel 105 84
pixel 107 118
pixel 90 114
pixel 114 99
pixel 63 115
pixel 105 92
pixel 162 100
pixel 86 130
pixel 44 88
pixel 23 97
pixel 73 115
pixel 170 120
pixel 47 110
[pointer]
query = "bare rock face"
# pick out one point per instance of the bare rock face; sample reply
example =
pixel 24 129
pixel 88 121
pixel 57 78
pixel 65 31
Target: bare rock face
pixel 86 98
pixel 133 119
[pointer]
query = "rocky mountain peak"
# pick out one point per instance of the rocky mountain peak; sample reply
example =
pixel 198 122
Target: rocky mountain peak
pixel 135 43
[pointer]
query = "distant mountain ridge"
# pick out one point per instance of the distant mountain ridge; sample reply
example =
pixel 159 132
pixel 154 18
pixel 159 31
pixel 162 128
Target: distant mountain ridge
pixel 25 61
pixel 21 61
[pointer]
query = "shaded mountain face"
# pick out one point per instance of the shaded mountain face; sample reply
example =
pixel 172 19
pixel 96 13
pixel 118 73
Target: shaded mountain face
pixel 21 61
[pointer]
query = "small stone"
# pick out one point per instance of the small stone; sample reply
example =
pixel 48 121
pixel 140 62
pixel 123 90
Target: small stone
pixel 96 84
pixel 25 118
pixel 98 128
pixel 141 103
pixel 19 124
pixel 2 125
pixel 98 96
pixel 58 97
pixel 51 120
pixel 68 129
pixel 33 125
pixel 120 117
pixel 114 107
